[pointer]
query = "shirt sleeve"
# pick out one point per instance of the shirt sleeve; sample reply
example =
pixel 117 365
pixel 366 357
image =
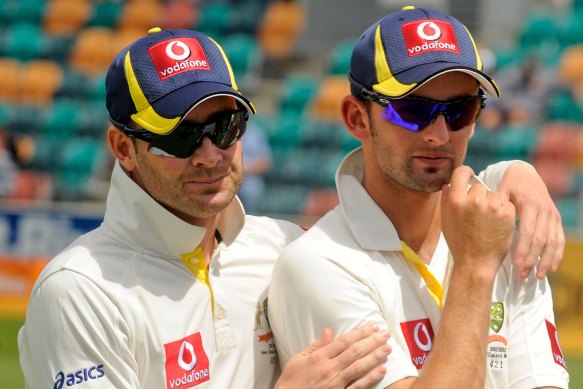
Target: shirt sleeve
pixel 74 334
pixel 535 356
pixel 493 174
pixel 310 292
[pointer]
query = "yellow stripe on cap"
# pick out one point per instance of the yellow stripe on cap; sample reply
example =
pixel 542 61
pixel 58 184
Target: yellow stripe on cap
pixel 478 59
pixel 231 74
pixel 479 64
pixel 388 84
pixel 145 116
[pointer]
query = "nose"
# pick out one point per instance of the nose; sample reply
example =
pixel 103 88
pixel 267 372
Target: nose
pixel 206 154
pixel 436 133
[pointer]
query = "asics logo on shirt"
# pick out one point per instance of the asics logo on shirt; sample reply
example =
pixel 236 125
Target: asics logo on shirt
pixel 78 377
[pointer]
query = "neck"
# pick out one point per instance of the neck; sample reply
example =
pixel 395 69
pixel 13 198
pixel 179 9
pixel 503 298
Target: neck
pixel 415 215
pixel 209 241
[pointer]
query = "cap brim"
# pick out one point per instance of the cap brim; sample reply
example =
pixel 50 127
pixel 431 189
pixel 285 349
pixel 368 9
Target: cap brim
pixel 177 104
pixel 422 74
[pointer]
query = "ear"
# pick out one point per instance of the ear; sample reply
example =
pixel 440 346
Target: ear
pixel 122 148
pixel 355 117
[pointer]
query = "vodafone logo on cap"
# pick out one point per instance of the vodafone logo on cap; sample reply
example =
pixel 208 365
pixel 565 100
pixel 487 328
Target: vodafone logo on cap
pixel 187 364
pixel 424 36
pixel 175 56
pixel 419 337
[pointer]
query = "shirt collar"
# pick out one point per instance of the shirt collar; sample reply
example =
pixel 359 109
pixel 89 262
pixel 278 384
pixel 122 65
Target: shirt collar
pixel 147 226
pixel 371 228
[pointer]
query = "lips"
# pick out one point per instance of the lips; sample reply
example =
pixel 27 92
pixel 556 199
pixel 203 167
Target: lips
pixel 207 180
pixel 433 158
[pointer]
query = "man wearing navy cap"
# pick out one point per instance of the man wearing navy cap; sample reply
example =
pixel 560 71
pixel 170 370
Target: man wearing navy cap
pixel 419 244
pixel 170 291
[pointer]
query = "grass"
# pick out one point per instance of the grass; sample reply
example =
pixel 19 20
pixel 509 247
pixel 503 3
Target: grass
pixel 11 375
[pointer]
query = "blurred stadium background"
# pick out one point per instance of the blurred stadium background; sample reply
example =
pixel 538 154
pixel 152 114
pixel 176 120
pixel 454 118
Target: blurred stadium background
pixel 291 57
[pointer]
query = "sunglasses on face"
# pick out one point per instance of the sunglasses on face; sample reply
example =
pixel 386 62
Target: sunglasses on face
pixel 224 130
pixel 415 113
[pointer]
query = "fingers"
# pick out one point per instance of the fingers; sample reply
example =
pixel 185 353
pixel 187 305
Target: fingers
pixel 460 180
pixel 364 357
pixel 552 252
pixel 324 340
pixel 370 379
pixel 541 240
pixel 345 341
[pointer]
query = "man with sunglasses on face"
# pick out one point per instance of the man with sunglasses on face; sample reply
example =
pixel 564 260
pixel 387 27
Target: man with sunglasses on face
pixel 418 244
pixel 170 291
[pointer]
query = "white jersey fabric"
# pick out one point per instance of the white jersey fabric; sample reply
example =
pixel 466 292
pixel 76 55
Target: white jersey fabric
pixel 120 309
pixel 349 268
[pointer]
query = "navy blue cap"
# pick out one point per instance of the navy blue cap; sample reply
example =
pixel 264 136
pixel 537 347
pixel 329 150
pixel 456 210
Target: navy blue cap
pixel 159 78
pixel 405 49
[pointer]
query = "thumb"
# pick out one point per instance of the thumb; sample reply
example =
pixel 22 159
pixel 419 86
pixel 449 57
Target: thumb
pixel 444 195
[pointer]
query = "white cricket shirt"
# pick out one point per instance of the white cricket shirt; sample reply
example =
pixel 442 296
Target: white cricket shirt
pixel 349 269
pixel 119 308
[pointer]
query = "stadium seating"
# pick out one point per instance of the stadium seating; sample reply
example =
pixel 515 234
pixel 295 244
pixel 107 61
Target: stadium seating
pixel 66 17
pixel 39 81
pixel 140 15
pixel 282 24
pixel 216 19
pixel 22 11
pixel 297 92
pixel 23 41
pixel 10 80
pixel 339 63
pixel 245 58
pixel 326 104
pixel 54 54
pixel 93 50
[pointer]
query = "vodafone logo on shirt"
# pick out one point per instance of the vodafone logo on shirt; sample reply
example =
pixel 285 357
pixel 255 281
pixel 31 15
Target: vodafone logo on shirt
pixel 555 348
pixel 175 56
pixel 424 36
pixel 187 364
pixel 419 337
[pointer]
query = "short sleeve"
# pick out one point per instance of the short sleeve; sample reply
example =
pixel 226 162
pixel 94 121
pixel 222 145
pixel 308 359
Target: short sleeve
pixel 74 334
pixel 310 292
pixel 535 358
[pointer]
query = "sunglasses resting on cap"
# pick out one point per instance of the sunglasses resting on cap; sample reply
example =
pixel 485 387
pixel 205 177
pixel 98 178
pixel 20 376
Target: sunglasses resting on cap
pixel 223 129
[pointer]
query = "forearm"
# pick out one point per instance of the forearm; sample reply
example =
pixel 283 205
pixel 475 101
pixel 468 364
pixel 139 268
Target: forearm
pixel 458 358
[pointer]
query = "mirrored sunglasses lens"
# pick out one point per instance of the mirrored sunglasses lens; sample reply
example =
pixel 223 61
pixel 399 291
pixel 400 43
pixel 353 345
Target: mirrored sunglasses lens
pixel 411 114
pixel 180 144
pixel 183 141
pixel 462 114
pixel 415 114
pixel 230 129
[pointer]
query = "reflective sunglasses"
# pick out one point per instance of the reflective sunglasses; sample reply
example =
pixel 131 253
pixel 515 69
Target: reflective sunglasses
pixel 223 129
pixel 415 113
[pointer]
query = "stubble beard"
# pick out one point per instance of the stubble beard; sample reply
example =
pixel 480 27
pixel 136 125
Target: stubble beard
pixel 404 173
pixel 173 195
